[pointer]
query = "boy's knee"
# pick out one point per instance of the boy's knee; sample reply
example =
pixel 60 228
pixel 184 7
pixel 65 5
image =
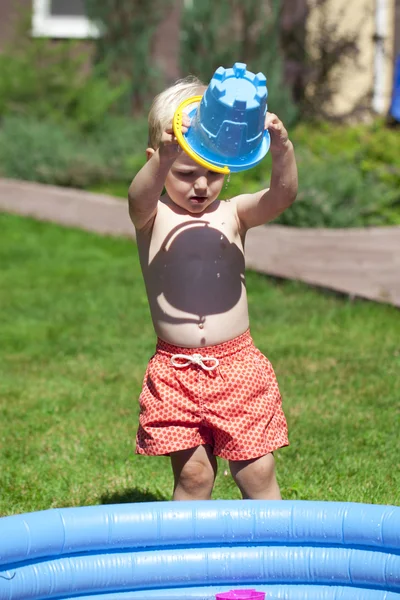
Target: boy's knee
pixel 197 475
pixel 256 478
pixel 194 473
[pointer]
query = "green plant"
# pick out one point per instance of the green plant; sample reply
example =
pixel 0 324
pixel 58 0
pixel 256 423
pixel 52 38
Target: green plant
pixel 58 154
pixel 53 80
pixel 335 193
pixel 124 47
pixel 48 153
pixel 372 148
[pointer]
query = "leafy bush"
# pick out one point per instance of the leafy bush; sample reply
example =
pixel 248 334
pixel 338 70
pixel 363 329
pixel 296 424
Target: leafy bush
pixel 124 48
pixel 52 80
pixel 366 159
pixel 373 148
pixel 334 193
pixel 57 154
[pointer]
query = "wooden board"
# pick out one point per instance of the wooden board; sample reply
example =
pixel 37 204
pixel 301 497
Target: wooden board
pixel 360 262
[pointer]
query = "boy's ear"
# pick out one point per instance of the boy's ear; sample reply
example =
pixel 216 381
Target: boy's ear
pixel 149 153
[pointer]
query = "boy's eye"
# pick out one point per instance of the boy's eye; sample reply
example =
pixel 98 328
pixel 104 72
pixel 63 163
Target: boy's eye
pixel 185 173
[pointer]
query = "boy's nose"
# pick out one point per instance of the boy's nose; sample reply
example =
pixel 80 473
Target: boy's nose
pixel 201 183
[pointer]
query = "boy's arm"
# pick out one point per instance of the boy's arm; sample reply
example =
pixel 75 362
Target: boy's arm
pixel 146 188
pixel 264 206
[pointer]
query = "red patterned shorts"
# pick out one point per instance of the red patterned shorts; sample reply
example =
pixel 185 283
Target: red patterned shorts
pixel 224 395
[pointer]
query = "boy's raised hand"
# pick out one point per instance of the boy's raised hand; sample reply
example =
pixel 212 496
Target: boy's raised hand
pixel 169 144
pixel 279 135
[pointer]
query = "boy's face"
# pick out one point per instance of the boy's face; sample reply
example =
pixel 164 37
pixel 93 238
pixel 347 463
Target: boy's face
pixel 191 186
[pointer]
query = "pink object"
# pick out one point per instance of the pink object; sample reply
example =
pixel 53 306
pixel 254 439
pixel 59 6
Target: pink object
pixel 241 594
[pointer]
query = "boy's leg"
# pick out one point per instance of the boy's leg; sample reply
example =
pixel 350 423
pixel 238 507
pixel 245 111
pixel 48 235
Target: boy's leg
pixel 194 473
pixel 256 478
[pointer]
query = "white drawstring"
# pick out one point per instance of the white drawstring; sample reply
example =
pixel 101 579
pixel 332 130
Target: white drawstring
pixel 196 359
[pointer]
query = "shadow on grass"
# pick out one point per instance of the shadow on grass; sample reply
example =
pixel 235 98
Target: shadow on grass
pixel 132 495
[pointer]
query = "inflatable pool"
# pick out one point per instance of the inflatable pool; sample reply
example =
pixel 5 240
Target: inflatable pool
pixel 292 550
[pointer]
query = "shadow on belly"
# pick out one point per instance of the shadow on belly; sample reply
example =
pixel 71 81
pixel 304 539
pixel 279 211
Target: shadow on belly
pixel 198 271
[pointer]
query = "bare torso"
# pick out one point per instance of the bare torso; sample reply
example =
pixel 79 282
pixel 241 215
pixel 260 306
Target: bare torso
pixel 194 270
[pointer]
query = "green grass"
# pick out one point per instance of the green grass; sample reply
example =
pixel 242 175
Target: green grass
pixel 75 339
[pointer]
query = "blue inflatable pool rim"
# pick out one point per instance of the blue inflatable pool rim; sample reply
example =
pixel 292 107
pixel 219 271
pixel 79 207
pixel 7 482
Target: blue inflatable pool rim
pixel 291 550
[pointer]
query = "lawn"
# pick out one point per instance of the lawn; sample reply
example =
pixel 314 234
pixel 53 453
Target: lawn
pixel 75 338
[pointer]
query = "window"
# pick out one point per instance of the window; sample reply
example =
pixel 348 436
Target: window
pixel 61 8
pixel 61 19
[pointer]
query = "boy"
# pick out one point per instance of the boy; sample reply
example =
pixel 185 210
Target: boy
pixel 208 391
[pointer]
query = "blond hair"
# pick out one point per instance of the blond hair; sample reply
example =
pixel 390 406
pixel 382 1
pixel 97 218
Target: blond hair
pixel 165 104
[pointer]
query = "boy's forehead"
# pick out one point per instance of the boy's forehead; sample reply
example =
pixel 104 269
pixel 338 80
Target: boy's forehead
pixel 184 160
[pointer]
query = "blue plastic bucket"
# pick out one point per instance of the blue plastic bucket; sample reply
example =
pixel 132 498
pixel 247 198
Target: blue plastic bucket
pixel 227 127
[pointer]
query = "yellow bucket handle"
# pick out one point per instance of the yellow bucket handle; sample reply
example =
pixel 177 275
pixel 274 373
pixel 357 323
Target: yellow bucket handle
pixel 177 127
